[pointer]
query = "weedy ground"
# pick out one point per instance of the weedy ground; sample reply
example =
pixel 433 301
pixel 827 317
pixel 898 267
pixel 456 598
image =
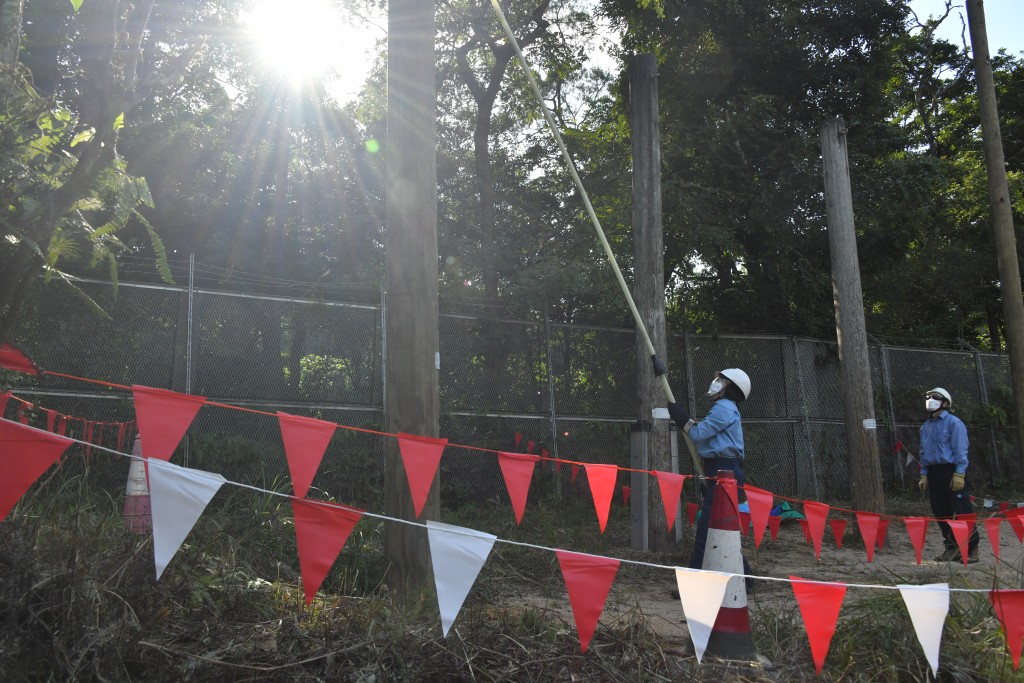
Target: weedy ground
pixel 79 602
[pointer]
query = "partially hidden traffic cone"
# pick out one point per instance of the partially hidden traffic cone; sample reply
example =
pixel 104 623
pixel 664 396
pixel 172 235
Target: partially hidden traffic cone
pixel 137 512
pixel 731 637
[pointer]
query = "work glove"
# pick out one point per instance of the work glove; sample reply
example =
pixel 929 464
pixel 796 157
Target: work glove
pixel 678 414
pixel 957 482
pixel 922 483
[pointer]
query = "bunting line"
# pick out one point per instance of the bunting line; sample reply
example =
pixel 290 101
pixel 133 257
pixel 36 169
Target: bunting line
pixel 557 461
pixel 638 563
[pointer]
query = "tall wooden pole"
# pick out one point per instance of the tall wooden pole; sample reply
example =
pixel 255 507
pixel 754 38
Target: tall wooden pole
pixel 1002 212
pixel 854 367
pixel 411 357
pixel 649 289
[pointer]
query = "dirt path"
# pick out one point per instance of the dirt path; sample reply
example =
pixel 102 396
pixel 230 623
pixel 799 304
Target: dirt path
pixel 646 591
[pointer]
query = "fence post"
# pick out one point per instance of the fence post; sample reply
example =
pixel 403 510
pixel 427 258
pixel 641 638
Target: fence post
pixel 983 392
pixel 551 394
pixel 887 381
pixel 188 336
pixel 638 480
pixel 383 349
pixel 805 427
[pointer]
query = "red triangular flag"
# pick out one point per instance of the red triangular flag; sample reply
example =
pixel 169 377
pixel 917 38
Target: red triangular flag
pixel 602 488
pixel 883 532
pixel 517 469
pixel 691 513
pixel 992 525
pixel 760 502
pixel 729 486
pixel 12 358
pixel 26 453
pixel 744 523
pixel 519 438
pixel 971 518
pixel 959 529
pixel 816 514
pixel 626 490
pixel 917 527
pixel 1009 607
pixel 1016 522
pixel 774 522
pixel 321 530
pixel 529 446
pixel 807 531
pixel 51 419
pixel 164 417
pixel 4 398
pixel 1003 507
pixel 588 579
pixel 867 522
pixel 819 606
pixel 575 473
pixel 305 442
pixel 670 485
pixel 121 427
pixel 62 426
pixel 421 455
pixel 899 446
pixel 545 454
pixel 838 529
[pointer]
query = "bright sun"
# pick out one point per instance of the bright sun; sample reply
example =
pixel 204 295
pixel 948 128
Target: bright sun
pixel 305 39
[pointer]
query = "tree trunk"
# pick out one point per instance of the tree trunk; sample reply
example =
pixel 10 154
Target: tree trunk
pixel 412 404
pixel 1002 212
pixel 854 367
pixel 649 286
pixel 10 31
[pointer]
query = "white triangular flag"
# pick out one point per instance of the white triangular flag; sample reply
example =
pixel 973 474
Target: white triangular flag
pixel 910 459
pixel 928 605
pixel 177 497
pixel 989 502
pixel 701 593
pixel 457 555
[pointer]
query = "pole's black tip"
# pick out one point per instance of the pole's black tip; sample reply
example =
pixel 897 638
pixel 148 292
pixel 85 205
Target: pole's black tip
pixel 659 367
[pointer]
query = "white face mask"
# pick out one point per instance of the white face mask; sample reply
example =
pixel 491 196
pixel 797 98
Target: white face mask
pixel 716 386
pixel 932 404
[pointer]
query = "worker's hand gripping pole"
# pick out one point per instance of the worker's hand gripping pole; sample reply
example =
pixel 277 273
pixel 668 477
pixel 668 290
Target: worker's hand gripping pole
pixel 594 220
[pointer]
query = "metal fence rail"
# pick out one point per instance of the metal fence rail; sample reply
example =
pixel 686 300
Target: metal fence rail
pixel 569 388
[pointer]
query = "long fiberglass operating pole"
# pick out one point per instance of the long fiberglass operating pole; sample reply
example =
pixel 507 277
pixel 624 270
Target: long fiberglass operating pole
pixel 659 368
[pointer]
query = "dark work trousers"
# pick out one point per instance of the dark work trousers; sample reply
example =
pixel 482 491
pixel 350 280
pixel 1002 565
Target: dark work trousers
pixel 700 539
pixel 946 503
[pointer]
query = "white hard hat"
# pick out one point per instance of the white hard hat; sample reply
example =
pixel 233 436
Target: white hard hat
pixel 943 393
pixel 739 378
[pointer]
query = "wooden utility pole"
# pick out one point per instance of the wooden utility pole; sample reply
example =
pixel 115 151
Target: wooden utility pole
pixel 649 289
pixel 854 367
pixel 1002 212
pixel 412 354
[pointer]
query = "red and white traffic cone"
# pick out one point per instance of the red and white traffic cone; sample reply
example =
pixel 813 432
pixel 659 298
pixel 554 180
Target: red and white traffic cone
pixel 136 512
pixel 731 636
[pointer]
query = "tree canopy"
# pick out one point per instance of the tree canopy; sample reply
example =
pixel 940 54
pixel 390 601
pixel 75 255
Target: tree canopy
pixel 147 127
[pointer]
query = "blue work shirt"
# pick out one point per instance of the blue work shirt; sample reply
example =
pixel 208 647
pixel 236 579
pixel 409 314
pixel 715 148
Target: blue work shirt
pixel 943 440
pixel 719 435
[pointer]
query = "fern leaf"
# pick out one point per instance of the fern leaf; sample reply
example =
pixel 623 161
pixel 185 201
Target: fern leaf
pixel 158 249
pixel 78 292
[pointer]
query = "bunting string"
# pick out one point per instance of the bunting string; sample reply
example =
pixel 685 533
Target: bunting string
pixel 542 458
pixel 522 544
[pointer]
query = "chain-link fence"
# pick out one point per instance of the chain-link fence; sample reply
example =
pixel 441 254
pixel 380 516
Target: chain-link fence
pixel 570 389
